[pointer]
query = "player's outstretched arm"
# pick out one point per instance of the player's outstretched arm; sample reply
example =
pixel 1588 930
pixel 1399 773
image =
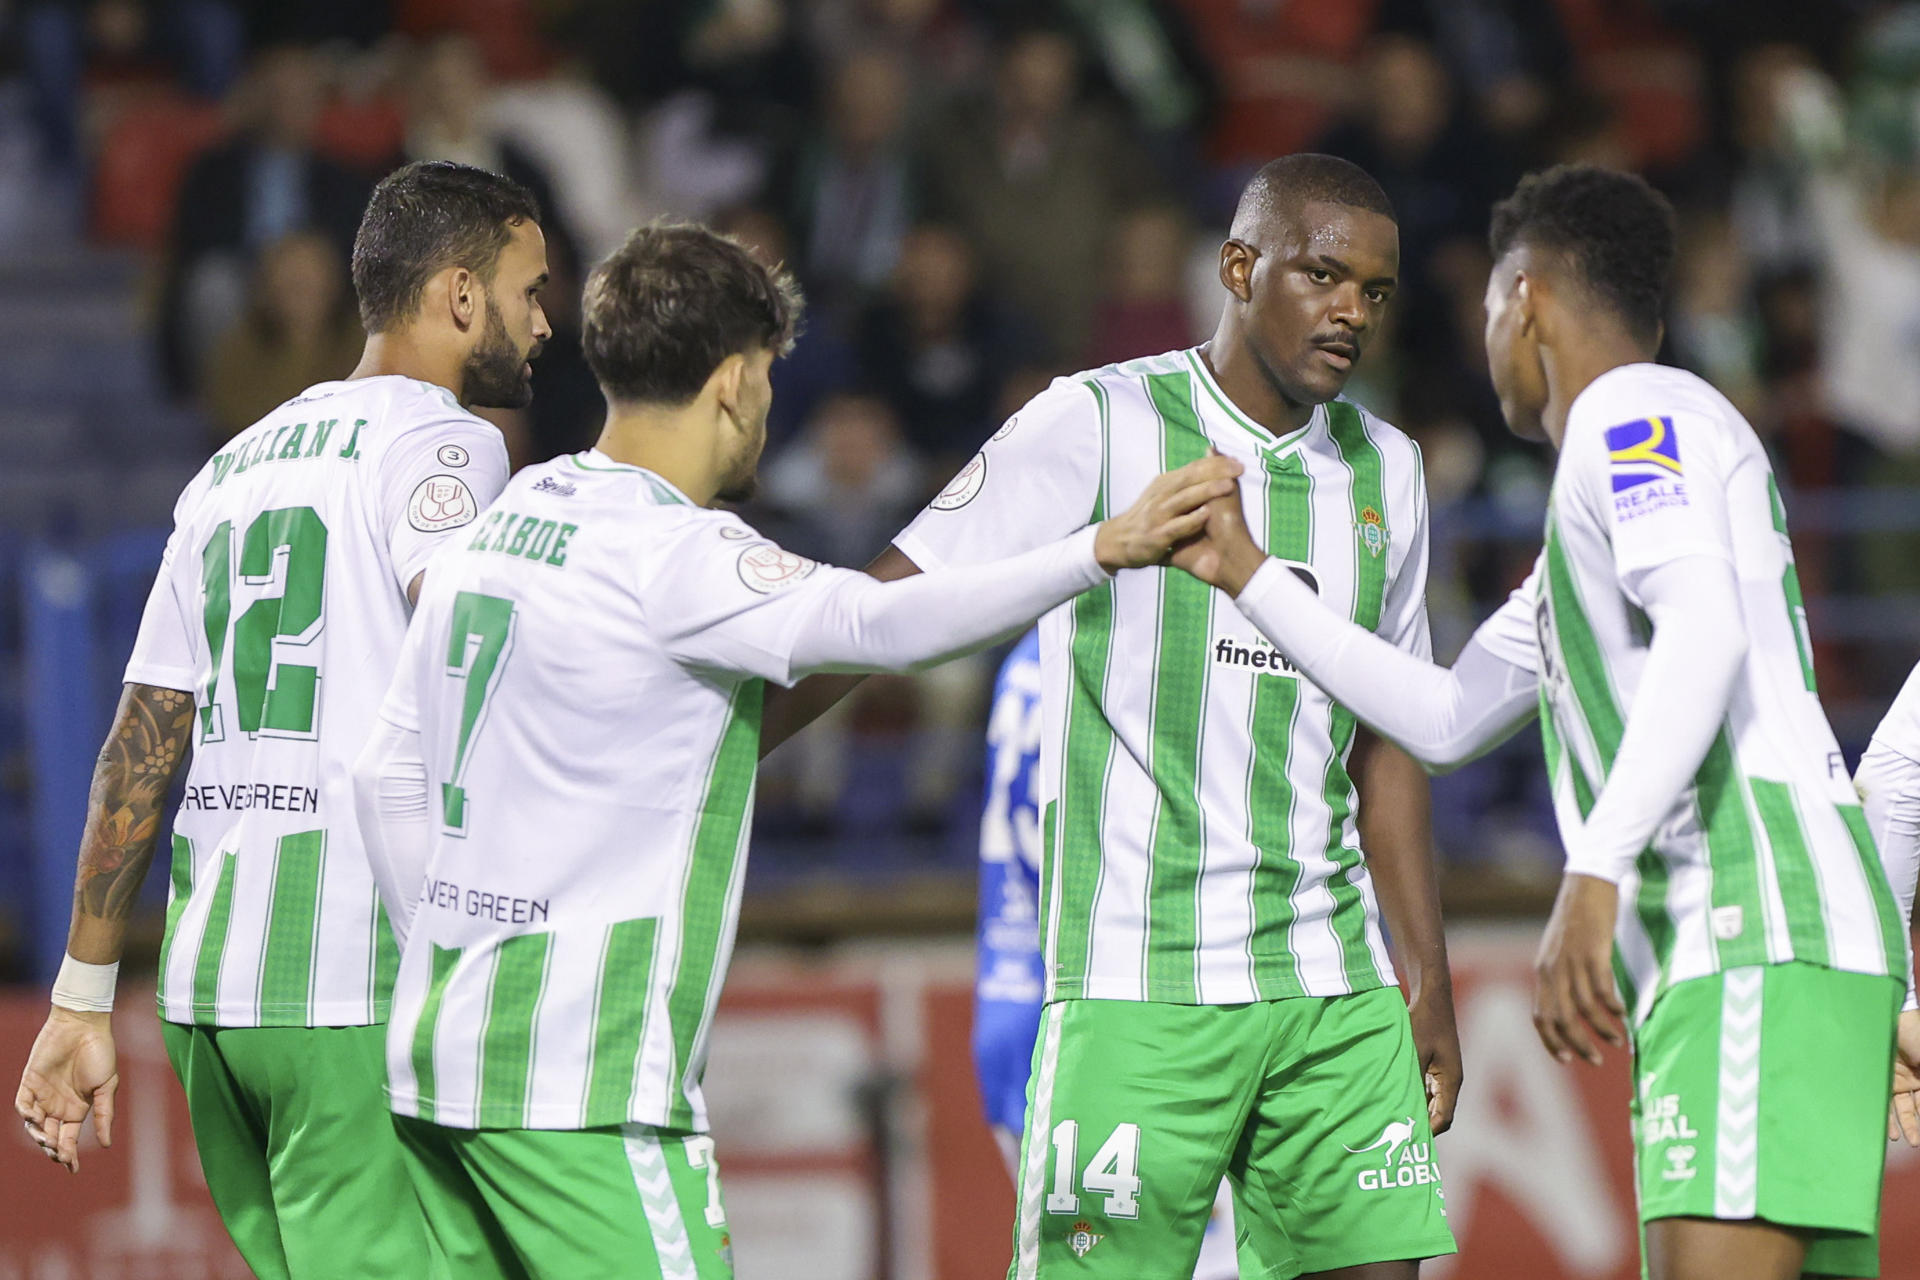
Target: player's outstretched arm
pixel 1441 716
pixel 789 710
pixel 857 623
pixel 72 1068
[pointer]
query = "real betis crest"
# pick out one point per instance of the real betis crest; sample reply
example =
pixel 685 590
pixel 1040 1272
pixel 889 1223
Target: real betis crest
pixel 1373 530
pixel 1081 1239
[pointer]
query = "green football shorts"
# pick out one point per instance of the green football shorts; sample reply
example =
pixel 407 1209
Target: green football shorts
pixel 1762 1092
pixel 298 1148
pixel 627 1200
pixel 1312 1108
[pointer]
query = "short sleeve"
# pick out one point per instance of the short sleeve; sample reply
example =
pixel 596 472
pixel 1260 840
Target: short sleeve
pixel 1657 483
pixel 1034 482
pixel 1511 633
pixel 434 479
pixel 1403 612
pixel 163 654
pixel 726 599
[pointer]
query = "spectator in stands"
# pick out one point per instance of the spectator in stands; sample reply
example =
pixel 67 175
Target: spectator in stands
pixel 447 94
pixel 1144 310
pixel 1037 179
pixel 850 191
pixel 848 484
pixel 1285 72
pixel 67 43
pixel 299 327
pixel 939 40
pixel 821 362
pixel 244 194
pixel 1508 55
pixel 936 347
pixel 1442 174
pixel 1714 329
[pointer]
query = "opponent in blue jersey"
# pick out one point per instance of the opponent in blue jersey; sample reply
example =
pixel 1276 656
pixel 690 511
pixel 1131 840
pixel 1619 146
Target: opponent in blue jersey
pixel 1008 976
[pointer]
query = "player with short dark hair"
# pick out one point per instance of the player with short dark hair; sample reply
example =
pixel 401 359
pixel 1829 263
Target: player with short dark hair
pixel 1219 844
pixel 1722 890
pixel 272 626
pixel 679 299
pixel 557 797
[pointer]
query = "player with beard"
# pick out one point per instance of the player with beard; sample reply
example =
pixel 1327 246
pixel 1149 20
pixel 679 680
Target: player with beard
pixel 558 796
pixel 268 638
pixel 1722 891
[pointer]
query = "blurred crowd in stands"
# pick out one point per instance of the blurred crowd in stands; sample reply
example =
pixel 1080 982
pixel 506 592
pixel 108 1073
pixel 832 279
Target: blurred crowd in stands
pixel 979 195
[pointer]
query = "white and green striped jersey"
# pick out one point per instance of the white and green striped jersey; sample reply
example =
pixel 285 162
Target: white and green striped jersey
pixel 1199 843
pixel 281 604
pixel 1766 858
pixel 585 675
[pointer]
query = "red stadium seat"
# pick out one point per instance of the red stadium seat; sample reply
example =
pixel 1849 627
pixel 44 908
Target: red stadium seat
pixel 143 156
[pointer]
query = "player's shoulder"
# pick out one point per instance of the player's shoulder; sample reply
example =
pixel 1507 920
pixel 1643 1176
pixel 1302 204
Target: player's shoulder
pixel 409 408
pixel 1399 453
pixel 1631 400
pixel 1096 390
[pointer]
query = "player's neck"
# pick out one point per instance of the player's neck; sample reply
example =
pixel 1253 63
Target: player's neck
pixel 1572 369
pixel 671 443
pixel 400 354
pixel 1238 372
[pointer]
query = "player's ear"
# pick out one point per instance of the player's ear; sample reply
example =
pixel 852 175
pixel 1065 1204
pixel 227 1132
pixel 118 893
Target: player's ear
pixel 729 383
pixel 463 296
pixel 1236 268
pixel 1523 301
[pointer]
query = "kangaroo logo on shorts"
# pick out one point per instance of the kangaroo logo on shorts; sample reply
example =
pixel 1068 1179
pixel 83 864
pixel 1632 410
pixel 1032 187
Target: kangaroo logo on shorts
pixel 1390 1137
pixel 1081 1239
pixel 1406 1163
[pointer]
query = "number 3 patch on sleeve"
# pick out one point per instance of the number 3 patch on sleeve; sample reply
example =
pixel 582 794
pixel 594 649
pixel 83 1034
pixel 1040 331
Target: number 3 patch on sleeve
pixel 440 503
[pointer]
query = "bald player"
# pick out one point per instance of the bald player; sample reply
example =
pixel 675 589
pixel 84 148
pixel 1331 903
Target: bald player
pixel 1219 998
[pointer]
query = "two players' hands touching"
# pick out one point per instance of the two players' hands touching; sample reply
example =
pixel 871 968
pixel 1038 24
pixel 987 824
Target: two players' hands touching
pixel 1190 517
pixel 1172 509
pixel 71 1070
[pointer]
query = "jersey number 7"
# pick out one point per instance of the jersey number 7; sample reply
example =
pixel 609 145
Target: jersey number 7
pixel 477 649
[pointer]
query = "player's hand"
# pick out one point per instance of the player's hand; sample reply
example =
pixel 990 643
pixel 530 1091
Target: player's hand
pixel 1903 1118
pixel 1437 1040
pixel 72 1070
pixel 1573 991
pixel 1170 510
pixel 1225 554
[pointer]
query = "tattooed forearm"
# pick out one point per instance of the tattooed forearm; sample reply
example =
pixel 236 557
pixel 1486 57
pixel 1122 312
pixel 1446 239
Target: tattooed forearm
pixel 137 765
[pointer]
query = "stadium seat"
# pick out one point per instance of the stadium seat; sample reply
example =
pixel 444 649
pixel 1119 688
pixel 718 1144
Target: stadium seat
pixel 143 158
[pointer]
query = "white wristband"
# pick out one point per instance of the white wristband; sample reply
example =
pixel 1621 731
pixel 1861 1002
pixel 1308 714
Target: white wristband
pixel 85 988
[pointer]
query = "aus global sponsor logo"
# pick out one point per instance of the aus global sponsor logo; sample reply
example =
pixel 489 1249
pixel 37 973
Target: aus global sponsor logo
pixel 1403 1162
pixel 1643 457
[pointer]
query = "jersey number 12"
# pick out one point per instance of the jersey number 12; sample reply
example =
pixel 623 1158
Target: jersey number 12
pixel 271 695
